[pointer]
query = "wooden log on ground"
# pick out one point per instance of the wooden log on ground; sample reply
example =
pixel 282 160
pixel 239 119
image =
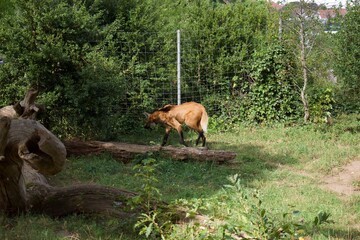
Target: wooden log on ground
pixel 81 199
pixel 125 152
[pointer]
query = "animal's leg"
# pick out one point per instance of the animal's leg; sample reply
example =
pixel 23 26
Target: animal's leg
pixel 167 132
pixel 181 135
pixel 203 139
pixel 202 136
pixel 198 139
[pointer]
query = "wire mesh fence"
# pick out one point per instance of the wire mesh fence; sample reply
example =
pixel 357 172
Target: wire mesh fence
pixel 162 63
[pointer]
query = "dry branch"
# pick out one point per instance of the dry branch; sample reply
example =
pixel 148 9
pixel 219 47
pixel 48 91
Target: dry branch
pixel 26 108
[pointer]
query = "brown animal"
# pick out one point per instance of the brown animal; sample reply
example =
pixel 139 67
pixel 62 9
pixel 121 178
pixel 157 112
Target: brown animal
pixel 191 114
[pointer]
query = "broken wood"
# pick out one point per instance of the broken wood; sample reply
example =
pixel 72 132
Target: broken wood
pixel 26 108
pixel 126 152
pixel 25 141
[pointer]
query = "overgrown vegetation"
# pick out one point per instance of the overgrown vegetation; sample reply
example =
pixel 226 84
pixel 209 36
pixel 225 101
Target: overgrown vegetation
pixel 100 64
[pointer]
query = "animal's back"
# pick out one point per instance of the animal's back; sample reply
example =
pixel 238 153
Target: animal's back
pixel 192 113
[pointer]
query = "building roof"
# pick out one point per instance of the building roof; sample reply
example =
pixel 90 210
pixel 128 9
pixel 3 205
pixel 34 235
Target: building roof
pixel 276 6
pixel 323 14
pixel 330 13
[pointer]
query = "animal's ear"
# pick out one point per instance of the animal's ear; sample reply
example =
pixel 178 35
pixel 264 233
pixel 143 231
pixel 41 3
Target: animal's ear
pixel 146 114
pixel 166 108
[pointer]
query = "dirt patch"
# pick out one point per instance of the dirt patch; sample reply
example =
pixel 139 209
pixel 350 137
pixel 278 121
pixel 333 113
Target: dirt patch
pixel 345 181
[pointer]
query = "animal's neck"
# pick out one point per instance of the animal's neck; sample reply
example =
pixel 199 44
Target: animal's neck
pixel 161 117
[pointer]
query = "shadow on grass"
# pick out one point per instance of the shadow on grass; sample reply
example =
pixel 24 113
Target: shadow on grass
pixel 332 233
pixel 189 179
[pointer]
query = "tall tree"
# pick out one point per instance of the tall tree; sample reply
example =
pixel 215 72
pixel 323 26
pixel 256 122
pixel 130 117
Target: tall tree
pixel 302 28
pixel 348 64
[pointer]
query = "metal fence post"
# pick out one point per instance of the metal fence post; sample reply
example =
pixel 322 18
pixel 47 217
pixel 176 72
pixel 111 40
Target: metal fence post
pixel 178 69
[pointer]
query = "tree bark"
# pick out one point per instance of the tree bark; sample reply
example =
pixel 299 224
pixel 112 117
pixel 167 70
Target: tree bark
pixel 27 108
pixel 80 199
pixel 25 141
pixel 126 152
pixel 303 64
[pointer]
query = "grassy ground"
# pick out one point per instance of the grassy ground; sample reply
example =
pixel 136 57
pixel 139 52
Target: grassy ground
pixel 286 165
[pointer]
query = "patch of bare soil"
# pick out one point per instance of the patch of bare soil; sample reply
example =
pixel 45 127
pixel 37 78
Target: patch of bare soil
pixel 345 181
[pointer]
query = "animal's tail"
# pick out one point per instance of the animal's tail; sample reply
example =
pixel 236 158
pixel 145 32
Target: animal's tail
pixel 204 121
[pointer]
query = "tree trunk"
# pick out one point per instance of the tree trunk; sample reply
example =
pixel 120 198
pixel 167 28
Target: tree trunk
pixel 126 152
pixel 304 69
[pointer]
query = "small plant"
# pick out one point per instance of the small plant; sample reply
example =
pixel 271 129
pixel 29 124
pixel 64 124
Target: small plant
pixel 255 221
pixel 154 219
pixel 149 224
pixel 149 194
pixel 356 184
pixel 321 218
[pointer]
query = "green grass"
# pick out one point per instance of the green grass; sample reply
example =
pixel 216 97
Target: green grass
pixel 286 165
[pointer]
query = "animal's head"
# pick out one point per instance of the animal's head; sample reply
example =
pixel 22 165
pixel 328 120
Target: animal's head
pixel 150 120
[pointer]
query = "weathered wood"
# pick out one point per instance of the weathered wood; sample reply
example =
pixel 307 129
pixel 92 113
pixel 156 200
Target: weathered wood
pixel 12 187
pixel 8 111
pixel 126 152
pixel 26 141
pixel 80 199
pixel 31 142
pixel 26 108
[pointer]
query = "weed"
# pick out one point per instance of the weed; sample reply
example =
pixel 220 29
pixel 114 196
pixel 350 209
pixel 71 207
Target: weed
pixel 154 220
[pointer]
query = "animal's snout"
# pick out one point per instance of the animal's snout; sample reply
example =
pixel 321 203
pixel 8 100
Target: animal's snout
pixel 149 125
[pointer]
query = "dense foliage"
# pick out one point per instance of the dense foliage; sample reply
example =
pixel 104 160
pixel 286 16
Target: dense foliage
pixel 348 65
pixel 99 64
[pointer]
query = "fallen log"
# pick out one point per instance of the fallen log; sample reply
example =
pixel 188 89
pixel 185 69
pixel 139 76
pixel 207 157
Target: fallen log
pixel 125 152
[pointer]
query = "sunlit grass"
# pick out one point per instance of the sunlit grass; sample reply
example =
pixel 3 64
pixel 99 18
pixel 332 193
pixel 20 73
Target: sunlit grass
pixel 285 164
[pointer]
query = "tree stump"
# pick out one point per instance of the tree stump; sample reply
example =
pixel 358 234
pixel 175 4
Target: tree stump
pixel 28 153
pixel 25 141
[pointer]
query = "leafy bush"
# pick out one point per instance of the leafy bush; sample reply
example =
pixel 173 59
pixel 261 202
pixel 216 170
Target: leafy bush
pixel 251 220
pixel 321 104
pixel 272 95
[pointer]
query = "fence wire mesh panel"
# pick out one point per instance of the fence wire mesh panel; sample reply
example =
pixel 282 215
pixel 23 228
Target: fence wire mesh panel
pixel 148 69
pixel 209 68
